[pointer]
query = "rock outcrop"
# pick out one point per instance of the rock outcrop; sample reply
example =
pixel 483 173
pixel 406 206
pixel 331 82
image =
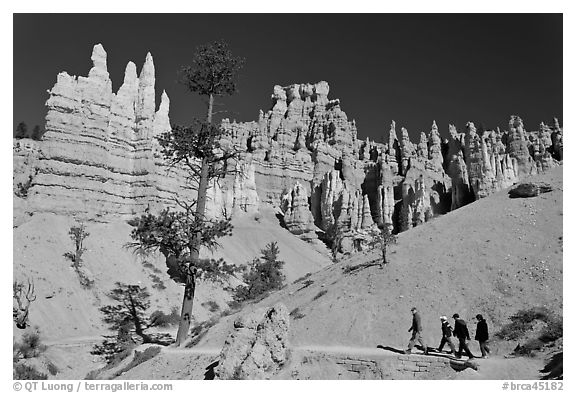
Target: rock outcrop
pixel 99 159
pixel 257 347
pixel 529 190
pixel 295 206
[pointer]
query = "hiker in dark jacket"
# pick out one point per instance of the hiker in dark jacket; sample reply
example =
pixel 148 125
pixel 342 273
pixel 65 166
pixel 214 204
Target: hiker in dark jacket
pixel 461 332
pixel 482 335
pixel 416 330
pixel 446 336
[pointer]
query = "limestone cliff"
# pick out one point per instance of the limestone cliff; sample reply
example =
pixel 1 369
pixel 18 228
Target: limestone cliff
pixel 99 159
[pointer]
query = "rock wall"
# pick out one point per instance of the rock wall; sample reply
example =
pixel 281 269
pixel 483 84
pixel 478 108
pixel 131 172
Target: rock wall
pixel 305 147
pixel 99 159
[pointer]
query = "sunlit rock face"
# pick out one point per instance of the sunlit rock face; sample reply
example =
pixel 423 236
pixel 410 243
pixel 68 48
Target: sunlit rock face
pixel 99 159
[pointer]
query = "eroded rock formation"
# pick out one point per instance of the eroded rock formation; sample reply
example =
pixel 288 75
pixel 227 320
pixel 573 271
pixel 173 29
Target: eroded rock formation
pixel 257 347
pixel 297 215
pixel 99 158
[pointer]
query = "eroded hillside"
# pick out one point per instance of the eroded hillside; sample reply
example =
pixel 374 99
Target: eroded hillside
pixel 494 257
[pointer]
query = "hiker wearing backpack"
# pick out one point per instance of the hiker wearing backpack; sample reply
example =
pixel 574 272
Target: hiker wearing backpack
pixel 461 331
pixel 416 330
pixel 446 336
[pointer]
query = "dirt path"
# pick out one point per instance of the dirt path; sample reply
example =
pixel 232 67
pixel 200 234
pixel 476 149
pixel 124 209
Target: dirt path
pixel 332 349
pixel 345 350
pixel 191 351
pixel 73 341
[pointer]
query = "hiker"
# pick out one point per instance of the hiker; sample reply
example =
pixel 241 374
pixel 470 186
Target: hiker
pixel 446 336
pixel 482 335
pixel 461 332
pixel 416 330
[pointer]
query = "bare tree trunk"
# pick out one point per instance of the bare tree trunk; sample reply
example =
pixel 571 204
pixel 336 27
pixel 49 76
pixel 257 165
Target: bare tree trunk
pixel 384 247
pixel 186 314
pixel 137 323
pixel 190 287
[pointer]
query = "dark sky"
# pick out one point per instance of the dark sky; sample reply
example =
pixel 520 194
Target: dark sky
pixel 412 68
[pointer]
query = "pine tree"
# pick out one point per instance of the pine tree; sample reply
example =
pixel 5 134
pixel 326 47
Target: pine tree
pixel 132 304
pixel 383 240
pixel 180 235
pixel 21 131
pixel 36 133
pixel 264 275
pixel 334 236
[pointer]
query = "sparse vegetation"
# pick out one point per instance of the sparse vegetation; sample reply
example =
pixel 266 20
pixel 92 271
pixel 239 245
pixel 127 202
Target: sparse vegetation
pixel 157 282
pixel 263 276
pixel 180 235
pixel 52 369
pixel 296 314
pixel 149 265
pixel 160 319
pixel 22 188
pixel 553 330
pixel 30 345
pixel 24 295
pixel 320 294
pixel 112 349
pixel 132 302
pixel 306 284
pixel 200 330
pixel 139 358
pixel 22 371
pixel 383 240
pixel 172 233
pixel 22 131
pixel 129 315
pixel 77 235
pixel 348 269
pixel 333 236
pixel 523 322
pixel 304 277
pixel 211 305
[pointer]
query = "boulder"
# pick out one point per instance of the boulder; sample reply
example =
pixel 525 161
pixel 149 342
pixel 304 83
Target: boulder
pixel 529 190
pixel 257 347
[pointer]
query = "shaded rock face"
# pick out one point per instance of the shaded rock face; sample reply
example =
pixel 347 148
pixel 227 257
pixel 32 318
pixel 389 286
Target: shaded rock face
pixel 99 159
pixel 257 347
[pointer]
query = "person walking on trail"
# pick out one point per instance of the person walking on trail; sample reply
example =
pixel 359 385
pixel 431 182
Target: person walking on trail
pixel 482 335
pixel 446 336
pixel 416 330
pixel 461 332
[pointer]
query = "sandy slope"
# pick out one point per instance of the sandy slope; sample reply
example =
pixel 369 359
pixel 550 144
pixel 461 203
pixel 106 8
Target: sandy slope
pixel 252 234
pixel 65 311
pixel 494 257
